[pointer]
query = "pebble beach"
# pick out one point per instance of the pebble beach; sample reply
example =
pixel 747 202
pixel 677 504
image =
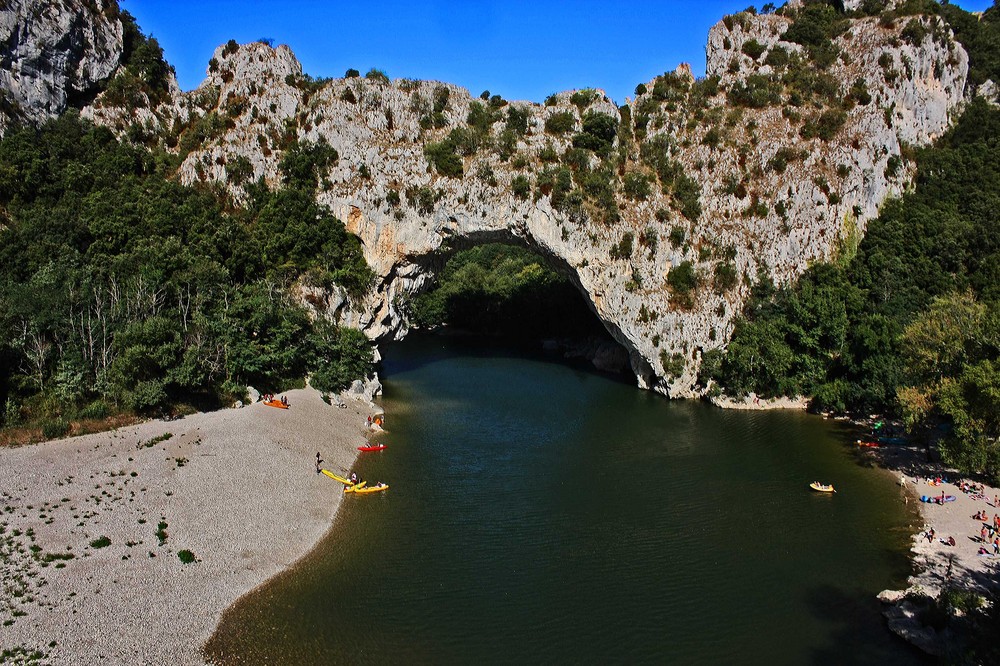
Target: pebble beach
pixel 125 547
pixel 937 563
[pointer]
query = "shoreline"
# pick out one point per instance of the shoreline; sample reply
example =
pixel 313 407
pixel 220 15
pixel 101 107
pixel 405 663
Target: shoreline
pixel 88 563
pixel 937 565
pixel 753 402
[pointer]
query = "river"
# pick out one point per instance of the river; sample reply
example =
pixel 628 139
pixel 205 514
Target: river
pixel 547 512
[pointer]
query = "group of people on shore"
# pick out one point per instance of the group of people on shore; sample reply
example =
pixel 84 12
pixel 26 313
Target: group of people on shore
pixel 269 397
pixel 373 423
pixel 989 534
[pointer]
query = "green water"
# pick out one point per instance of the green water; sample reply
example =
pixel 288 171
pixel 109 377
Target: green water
pixel 542 512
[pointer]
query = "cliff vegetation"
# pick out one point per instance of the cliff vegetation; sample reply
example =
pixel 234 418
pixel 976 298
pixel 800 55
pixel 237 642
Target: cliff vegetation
pixel 124 290
pixel 908 321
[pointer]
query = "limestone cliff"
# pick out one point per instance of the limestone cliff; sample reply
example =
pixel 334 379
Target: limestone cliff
pixel 663 211
pixel 54 53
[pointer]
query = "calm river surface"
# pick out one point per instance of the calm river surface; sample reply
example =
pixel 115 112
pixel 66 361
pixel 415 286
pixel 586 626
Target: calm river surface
pixel 542 512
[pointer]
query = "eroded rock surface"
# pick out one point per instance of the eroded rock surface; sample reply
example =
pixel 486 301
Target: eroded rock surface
pixel 52 53
pixel 663 211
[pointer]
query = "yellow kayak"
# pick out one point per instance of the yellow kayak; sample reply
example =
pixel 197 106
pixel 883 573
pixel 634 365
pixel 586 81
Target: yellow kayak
pixel 333 476
pixel 821 487
pixel 355 488
pixel 370 489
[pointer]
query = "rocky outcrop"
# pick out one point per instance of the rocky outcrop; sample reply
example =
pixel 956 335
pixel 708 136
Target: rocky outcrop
pixel 702 177
pixel 52 54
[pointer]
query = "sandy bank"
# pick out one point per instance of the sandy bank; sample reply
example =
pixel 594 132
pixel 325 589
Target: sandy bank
pixel 237 488
pixel 755 402
pixel 938 564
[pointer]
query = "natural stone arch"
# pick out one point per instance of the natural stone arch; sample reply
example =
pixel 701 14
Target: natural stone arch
pixel 735 206
pixel 411 271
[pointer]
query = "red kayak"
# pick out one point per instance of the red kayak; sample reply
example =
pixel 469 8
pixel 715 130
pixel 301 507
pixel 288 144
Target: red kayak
pixel 376 447
pixel 870 445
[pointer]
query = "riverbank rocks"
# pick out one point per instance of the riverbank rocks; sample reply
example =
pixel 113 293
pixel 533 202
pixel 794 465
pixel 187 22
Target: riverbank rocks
pixel 903 612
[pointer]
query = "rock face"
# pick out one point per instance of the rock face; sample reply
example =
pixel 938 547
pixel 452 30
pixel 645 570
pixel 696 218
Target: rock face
pixel 52 53
pixel 663 212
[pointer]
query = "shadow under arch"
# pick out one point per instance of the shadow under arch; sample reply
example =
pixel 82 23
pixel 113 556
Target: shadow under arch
pixel 560 314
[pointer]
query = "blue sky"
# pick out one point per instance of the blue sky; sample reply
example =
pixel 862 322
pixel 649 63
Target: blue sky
pixel 516 48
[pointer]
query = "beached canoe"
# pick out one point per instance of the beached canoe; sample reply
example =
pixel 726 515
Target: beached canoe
pixel 370 489
pixel 333 476
pixel 276 403
pixel 377 447
pixel 821 487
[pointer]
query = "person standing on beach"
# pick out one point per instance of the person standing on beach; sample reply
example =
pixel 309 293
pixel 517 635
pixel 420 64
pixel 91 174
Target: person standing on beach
pixel 319 462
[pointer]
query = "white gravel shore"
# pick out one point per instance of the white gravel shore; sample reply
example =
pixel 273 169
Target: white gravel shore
pixel 237 488
pixel 938 564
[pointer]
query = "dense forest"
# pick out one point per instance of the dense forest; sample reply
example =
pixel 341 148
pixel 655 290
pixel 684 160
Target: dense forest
pixel 123 290
pixel 908 323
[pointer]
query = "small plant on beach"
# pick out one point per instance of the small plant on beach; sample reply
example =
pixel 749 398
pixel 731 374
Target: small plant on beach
pixel 186 556
pixel 101 542
pixel 154 441
pixel 161 532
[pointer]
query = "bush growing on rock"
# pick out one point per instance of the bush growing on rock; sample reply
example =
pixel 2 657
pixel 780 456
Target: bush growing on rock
pixel 444 159
pixel 670 87
pixel 623 248
pixel 560 122
pixel 756 91
pixel 673 364
pixel 100 542
pixel 777 57
pixel 581 99
pixel 599 132
pixel 825 125
pixel 377 75
pixel 636 185
pixel 753 49
pixel 724 278
pixel 422 199
pixel 521 187
pixel 682 281
pixel 517 120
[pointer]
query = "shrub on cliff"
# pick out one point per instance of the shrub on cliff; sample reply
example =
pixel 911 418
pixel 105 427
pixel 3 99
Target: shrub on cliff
pixel 682 281
pixel 560 122
pixel 444 159
pixel 753 49
pixel 756 91
pixel 599 132
pixel 377 75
